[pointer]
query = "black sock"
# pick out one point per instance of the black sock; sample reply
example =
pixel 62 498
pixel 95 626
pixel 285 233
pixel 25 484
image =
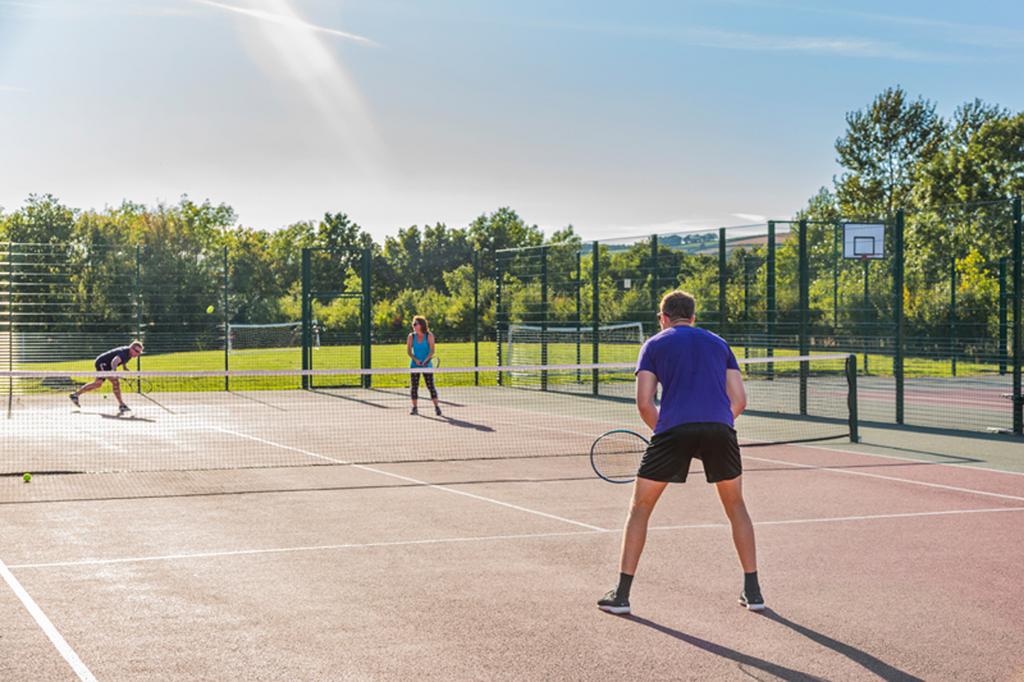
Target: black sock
pixel 625 582
pixel 750 585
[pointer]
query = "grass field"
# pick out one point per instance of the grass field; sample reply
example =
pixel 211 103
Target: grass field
pixel 451 355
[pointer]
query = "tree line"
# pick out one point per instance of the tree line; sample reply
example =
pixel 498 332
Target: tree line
pixel 951 176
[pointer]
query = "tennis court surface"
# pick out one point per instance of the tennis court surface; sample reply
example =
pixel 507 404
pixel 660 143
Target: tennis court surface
pixel 306 526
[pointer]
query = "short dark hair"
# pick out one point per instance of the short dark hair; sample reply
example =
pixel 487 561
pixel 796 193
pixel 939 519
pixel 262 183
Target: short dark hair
pixel 678 305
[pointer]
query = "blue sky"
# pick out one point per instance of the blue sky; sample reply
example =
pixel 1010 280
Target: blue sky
pixel 619 118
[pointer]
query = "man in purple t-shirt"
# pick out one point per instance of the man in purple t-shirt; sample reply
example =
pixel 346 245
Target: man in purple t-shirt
pixel 701 394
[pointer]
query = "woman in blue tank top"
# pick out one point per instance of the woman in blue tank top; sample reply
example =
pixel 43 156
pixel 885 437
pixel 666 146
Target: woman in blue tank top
pixel 420 347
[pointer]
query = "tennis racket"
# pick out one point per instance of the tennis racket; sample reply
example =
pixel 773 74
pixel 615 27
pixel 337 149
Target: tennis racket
pixel 616 455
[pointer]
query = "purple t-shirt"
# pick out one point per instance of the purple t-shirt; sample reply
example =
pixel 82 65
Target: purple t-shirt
pixel 690 364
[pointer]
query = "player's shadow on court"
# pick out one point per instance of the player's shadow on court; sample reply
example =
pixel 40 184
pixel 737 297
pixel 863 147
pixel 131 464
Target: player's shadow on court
pixel 459 423
pixel 746 660
pixel 858 656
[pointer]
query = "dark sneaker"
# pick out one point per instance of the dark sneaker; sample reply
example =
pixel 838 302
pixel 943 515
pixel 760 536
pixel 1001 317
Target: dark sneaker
pixel 124 409
pixel 752 602
pixel 612 603
pixel 414 411
pixel 74 399
pixel 437 410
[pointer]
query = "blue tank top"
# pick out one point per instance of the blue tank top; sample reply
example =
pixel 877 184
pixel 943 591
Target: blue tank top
pixel 420 349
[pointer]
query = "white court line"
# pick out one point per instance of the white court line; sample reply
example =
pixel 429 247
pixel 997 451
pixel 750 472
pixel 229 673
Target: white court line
pixel 956 465
pixel 486 538
pixel 409 479
pixel 858 517
pixel 897 479
pixel 47 627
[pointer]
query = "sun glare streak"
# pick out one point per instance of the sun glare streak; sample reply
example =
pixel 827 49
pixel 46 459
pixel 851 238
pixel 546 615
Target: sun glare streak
pixel 286 16
pixel 286 44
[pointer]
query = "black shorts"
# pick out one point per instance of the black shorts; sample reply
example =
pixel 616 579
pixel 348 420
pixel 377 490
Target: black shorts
pixel 668 456
pixel 102 366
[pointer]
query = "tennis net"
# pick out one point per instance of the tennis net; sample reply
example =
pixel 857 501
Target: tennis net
pixel 194 421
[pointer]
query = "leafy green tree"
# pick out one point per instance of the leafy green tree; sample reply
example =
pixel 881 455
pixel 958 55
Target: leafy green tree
pixel 881 150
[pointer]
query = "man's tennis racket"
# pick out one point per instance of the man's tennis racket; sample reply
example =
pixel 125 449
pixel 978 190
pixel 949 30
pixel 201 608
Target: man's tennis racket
pixel 616 455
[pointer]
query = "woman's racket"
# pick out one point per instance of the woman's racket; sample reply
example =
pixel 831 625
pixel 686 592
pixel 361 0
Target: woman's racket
pixel 616 455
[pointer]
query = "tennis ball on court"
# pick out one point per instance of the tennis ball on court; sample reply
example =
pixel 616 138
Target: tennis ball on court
pixel 210 309
pixel 27 477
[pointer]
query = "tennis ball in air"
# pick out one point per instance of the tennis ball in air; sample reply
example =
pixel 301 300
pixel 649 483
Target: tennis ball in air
pixel 210 309
pixel 27 477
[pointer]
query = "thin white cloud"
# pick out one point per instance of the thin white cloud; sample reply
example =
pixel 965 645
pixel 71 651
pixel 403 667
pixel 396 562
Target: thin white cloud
pixel 12 88
pixel 288 19
pixel 952 31
pixel 849 47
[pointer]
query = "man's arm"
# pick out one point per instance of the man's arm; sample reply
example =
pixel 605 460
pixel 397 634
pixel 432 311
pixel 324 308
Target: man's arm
pixel 734 389
pixel 646 387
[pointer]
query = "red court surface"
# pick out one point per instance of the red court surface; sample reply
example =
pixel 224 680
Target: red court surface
pixel 896 558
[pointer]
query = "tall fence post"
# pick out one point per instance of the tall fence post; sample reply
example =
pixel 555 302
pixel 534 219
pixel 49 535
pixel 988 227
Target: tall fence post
pixel 655 290
pixel 366 336
pixel 10 327
pixel 498 319
pixel 952 315
pixel 1018 347
pixel 897 286
pixel 770 300
pixel 723 313
pixel 866 303
pixel 138 309
pixel 227 322
pixel 1003 329
pixel 805 304
pixel 307 317
pixel 595 276
pixel 476 317
pixel 544 316
pixel 579 311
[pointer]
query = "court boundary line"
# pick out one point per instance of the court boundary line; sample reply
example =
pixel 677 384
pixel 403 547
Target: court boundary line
pixel 46 625
pixel 896 479
pixel 490 538
pixel 958 465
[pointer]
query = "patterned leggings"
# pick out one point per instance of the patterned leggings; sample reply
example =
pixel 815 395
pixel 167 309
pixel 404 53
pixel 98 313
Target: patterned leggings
pixel 429 380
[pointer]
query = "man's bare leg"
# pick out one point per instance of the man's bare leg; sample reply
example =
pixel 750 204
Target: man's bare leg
pixel 731 494
pixel 645 495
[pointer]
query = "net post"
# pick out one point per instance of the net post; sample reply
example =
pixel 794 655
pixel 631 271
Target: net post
pixel 851 383
pixel 952 314
pixel 1018 347
pixel 897 281
pixel 595 276
pixel 1003 336
pixel 307 316
pixel 476 316
pixel 367 311
pixel 805 304
pixel 227 328
pixel 544 316
pixel 770 300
